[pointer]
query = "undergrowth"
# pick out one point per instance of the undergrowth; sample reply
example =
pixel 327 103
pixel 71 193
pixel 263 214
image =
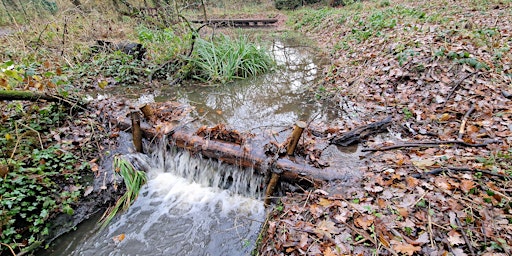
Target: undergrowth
pixel 33 175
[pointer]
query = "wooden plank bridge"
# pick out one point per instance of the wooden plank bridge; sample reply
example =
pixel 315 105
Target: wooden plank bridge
pixel 239 23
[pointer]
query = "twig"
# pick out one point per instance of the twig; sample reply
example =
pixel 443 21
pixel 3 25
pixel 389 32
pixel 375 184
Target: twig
pixel 458 169
pixel 10 248
pixel 429 143
pixel 430 232
pixel 64 32
pixel 39 37
pixel 465 237
pixel 38 134
pixel 464 120
pixel 457 85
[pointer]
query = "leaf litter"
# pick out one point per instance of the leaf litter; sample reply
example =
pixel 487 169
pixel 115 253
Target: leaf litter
pixel 444 74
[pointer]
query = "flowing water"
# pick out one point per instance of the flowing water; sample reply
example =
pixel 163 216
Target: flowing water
pixel 190 206
pixel 193 206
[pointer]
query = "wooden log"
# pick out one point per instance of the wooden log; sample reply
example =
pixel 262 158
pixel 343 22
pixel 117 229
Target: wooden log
pixel 247 156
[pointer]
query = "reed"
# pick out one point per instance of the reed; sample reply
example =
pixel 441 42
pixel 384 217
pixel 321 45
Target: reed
pixel 223 59
pixel 133 180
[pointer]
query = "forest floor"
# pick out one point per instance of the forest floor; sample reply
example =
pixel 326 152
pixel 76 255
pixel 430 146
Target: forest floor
pixel 440 183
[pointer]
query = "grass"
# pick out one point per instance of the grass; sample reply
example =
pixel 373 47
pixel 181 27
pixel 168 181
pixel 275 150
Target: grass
pixel 133 180
pixel 224 59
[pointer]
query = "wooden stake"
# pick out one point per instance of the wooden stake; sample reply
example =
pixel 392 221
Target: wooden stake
pixel 270 188
pixel 297 132
pixel 136 131
pixel 147 110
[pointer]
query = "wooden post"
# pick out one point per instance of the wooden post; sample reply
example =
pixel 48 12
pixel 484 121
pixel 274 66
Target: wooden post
pixel 297 132
pixel 147 110
pixel 270 188
pixel 136 131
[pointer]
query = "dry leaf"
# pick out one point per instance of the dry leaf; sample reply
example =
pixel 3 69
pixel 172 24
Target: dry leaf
pixel 326 228
pixel 119 238
pixel 88 190
pixel 455 238
pixel 364 221
pixel 407 248
pixel 411 182
pixel 467 185
pixel 325 202
pixel 304 238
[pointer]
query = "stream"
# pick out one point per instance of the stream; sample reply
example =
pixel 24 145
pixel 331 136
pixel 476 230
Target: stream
pixel 193 206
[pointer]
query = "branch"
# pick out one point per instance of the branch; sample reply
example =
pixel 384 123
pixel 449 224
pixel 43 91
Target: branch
pixel 459 169
pixel 428 144
pixel 361 133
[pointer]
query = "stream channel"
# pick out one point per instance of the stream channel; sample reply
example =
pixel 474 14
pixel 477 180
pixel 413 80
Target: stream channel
pixel 187 207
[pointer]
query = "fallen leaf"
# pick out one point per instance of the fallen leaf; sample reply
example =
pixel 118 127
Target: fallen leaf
pixel 455 238
pixel 119 238
pixel 404 212
pixel 424 163
pixel 304 237
pixel 329 252
pixel 325 202
pixel 442 183
pixel 411 182
pixel 88 190
pixel 373 189
pixel 460 252
pixel 422 239
pixel 467 185
pixel 364 221
pixel 326 228
pixel 407 248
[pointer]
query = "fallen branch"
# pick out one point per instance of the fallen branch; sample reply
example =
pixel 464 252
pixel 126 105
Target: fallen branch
pixel 360 133
pixel 34 96
pixel 427 144
pixel 459 169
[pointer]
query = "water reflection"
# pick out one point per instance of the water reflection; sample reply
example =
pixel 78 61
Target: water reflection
pixel 280 97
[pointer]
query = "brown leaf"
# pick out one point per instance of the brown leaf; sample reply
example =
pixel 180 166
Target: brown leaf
pixel 325 202
pixel 467 185
pixel 329 252
pixel 411 182
pixel 455 238
pixel 407 248
pixel 442 183
pixel 364 221
pixel 326 228
pixel 404 212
